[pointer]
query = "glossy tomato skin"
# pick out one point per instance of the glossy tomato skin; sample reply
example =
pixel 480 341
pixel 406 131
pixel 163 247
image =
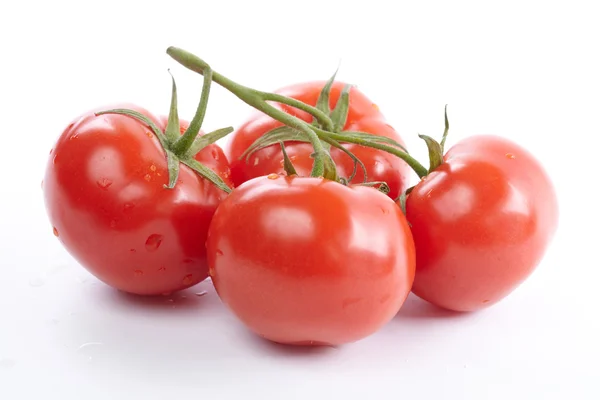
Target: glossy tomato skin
pixel 481 223
pixel 104 194
pixel 363 116
pixel 308 261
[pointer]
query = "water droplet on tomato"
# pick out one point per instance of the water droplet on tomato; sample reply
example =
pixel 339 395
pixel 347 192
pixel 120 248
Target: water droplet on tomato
pixel 153 168
pixel 55 231
pixel 188 279
pixel 170 300
pixel 73 137
pixel 147 177
pixel 272 176
pixel 54 160
pixel 219 252
pixel 51 150
pixel 153 242
pixel 36 282
pixel 139 273
pixel 188 261
pixel 128 206
pixel 227 173
pixel 211 272
pixel 256 161
pixel 215 154
pixel 385 210
pixel 113 223
pixel 166 293
pixel 104 183
pixel 292 159
pixel 510 156
pixel 485 301
pixel 132 250
pixel 149 134
pixel 162 269
pixel 200 294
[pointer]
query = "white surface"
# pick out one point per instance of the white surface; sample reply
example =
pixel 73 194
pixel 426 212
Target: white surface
pixel 525 70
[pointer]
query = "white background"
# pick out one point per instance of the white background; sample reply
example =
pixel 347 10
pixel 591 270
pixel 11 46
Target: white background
pixel 526 70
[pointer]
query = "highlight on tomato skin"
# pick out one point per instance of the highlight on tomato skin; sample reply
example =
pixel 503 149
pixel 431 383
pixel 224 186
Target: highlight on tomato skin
pixel 105 196
pixel 481 222
pixel 309 261
pixel 363 115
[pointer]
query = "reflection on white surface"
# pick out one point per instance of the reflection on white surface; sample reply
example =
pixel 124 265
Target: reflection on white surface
pixel 289 222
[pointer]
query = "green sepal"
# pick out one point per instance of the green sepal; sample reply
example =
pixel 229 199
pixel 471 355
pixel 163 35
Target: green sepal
pixel 282 134
pixel 185 141
pixel 339 115
pixel 356 160
pixel 202 141
pixel 402 199
pixel 323 100
pixel 446 128
pixel 436 158
pixel 287 163
pixel 172 131
pixel 207 173
pixel 173 166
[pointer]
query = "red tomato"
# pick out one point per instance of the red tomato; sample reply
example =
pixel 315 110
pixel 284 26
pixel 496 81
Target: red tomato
pixel 481 223
pixel 309 260
pixel 363 116
pixel 104 194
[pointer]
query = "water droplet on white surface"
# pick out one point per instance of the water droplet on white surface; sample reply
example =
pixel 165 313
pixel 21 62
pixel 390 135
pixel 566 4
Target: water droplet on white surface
pixel 153 242
pixel 200 294
pixel 89 350
pixel 37 282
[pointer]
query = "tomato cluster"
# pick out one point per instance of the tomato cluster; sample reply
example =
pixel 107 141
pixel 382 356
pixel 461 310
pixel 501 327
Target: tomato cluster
pixel 306 223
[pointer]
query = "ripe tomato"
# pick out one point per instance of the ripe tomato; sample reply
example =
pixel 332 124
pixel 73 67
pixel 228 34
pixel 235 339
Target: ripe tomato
pixel 104 194
pixel 481 223
pixel 309 260
pixel 363 116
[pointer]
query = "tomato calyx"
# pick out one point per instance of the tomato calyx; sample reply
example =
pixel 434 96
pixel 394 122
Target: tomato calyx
pixel 436 157
pixel 181 148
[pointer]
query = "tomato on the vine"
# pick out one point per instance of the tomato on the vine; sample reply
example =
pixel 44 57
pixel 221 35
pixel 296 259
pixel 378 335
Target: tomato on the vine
pixel 105 194
pixel 481 223
pixel 363 115
pixel 309 260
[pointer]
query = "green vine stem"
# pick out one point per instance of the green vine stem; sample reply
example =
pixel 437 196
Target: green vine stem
pixel 323 164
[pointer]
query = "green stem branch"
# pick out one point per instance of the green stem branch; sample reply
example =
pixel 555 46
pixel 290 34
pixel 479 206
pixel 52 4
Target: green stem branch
pixel 322 164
